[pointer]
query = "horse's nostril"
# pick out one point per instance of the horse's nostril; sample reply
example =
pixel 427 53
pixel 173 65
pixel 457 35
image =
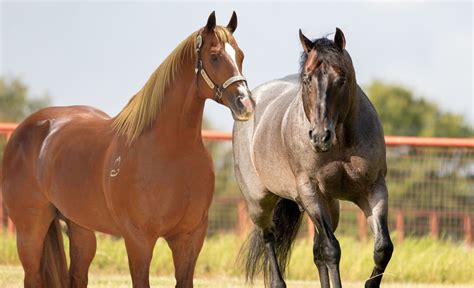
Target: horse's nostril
pixel 327 136
pixel 310 134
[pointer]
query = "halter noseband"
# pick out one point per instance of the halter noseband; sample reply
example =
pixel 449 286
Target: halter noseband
pixel 219 89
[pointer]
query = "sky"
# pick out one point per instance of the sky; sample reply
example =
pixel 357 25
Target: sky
pixel 101 53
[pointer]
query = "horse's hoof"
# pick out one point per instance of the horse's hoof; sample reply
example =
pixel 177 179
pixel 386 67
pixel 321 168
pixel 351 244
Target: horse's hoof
pixel 278 285
pixel 372 283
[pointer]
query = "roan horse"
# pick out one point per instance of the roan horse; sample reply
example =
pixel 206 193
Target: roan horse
pixel 141 175
pixel 314 139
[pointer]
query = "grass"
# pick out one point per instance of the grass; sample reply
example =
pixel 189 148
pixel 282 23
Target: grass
pixel 12 276
pixel 414 260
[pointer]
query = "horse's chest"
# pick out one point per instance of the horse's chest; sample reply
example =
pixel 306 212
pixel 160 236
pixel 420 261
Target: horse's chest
pixel 345 179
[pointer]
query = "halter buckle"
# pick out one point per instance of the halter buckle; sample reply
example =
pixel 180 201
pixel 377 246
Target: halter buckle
pixel 219 91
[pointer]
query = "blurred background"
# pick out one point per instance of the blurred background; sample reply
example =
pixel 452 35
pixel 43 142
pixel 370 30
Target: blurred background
pixel 413 59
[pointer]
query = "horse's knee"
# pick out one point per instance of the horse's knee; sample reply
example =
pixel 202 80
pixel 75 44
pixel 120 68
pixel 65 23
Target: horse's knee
pixel 78 281
pixel 331 251
pixel 383 252
pixel 32 280
pixel 318 256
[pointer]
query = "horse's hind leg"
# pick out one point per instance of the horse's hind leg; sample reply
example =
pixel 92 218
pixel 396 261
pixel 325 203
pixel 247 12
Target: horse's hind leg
pixel 376 210
pixel 261 212
pixel 185 249
pixel 32 226
pixel 82 251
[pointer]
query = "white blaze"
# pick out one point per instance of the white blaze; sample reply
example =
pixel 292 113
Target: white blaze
pixel 230 50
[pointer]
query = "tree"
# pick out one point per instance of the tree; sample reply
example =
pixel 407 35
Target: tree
pixel 16 102
pixel 420 177
pixel 403 113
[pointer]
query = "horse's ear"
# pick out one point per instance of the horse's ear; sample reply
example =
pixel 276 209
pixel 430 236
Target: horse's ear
pixel 306 43
pixel 339 39
pixel 232 26
pixel 211 22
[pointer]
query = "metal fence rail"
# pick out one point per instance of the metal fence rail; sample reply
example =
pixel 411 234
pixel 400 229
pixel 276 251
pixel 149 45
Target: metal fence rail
pixel 430 182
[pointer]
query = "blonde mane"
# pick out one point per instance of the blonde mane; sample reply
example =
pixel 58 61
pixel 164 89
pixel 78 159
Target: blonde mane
pixel 144 106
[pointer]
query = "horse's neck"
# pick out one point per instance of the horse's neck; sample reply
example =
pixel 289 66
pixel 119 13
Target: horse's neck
pixel 348 129
pixel 180 117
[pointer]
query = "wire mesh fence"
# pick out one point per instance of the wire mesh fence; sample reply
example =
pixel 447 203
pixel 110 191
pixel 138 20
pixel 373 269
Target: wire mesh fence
pixel 431 190
pixel 431 194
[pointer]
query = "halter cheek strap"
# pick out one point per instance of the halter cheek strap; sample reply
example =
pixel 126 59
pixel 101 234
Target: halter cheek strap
pixel 219 89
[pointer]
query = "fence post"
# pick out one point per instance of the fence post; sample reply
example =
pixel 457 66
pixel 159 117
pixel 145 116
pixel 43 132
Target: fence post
pixel 2 211
pixel 468 229
pixel 310 227
pixel 434 227
pixel 399 225
pixel 243 221
pixel 10 225
pixel 362 225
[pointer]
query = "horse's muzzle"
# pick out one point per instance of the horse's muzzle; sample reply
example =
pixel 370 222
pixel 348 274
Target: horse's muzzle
pixel 322 140
pixel 242 107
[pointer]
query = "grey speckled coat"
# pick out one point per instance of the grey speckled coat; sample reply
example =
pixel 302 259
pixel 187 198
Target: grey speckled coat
pixel 275 160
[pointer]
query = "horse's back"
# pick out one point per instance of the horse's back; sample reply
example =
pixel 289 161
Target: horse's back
pixel 28 139
pixel 23 151
pixel 278 93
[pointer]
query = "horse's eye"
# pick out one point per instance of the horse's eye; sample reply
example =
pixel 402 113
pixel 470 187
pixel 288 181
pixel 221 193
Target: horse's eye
pixel 214 58
pixel 341 81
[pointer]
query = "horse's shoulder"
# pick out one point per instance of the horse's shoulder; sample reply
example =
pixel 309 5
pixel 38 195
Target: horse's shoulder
pixel 368 116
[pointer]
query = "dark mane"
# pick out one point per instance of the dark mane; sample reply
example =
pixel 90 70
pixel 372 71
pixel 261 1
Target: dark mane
pixel 327 51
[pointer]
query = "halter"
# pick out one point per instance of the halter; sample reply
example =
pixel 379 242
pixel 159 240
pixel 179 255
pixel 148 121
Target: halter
pixel 219 89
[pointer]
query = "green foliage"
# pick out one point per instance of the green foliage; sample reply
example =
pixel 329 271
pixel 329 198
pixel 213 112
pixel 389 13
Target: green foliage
pixel 402 113
pixel 15 101
pixel 424 178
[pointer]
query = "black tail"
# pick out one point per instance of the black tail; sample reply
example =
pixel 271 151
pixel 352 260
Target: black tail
pixel 287 220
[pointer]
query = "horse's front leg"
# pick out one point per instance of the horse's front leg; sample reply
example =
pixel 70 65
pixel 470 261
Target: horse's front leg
pixel 334 210
pixel 185 248
pixel 375 207
pixel 139 251
pixel 327 252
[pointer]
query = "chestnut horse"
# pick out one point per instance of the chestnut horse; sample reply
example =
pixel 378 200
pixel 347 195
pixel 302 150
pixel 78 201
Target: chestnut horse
pixel 315 138
pixel 141 175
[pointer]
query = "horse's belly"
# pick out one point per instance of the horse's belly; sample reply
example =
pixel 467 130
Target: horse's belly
pixel 275 173
pixel 171 198
pixel 72 182
pixel 85 207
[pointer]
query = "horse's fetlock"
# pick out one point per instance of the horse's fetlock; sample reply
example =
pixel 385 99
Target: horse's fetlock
pixel 269 235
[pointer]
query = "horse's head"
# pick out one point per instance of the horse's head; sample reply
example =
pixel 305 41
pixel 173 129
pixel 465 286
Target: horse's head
pixel 328 81
pixel 219 67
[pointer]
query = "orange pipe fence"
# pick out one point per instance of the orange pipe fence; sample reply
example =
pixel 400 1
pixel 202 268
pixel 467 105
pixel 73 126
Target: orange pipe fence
pixel 389 140
pixel 7 128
